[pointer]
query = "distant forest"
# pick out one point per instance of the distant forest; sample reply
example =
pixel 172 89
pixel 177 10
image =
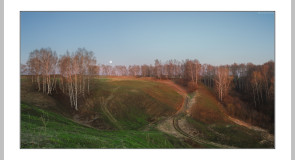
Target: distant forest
pixel 72 74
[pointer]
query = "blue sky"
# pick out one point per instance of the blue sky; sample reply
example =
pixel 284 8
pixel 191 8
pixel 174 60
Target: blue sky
pixel 141 37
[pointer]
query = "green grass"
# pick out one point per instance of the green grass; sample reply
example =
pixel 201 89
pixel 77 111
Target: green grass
pixel 30 95
pixel 61 132
pixel 135 103
pixel 230 134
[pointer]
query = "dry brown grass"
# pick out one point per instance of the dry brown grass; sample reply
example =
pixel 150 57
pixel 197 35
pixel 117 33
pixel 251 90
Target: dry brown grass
pixel 237 108
pixel 207 109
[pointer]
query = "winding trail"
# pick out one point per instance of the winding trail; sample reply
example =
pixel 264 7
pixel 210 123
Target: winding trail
pixel 195 138
pixel 182 113
pixel 171 126
pixel 266 135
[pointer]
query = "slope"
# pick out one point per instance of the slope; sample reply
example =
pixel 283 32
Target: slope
pixel 209 121
pixel 46 129
pixel 129 103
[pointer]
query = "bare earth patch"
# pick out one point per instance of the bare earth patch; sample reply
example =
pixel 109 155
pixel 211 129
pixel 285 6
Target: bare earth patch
pixel 167 127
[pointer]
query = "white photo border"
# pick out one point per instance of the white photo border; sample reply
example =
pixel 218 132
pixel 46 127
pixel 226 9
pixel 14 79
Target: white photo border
pixel 12 9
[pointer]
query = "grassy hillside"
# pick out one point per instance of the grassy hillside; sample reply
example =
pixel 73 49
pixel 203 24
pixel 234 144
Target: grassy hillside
pixel 114 103
pixel 213 124
pixel 207 108
pixel 30 95
pixel 116 113
pixel 45 129
pixel 131 103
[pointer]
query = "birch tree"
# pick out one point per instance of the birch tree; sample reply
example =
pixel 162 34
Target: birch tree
pixel 158 69
pixel 222 82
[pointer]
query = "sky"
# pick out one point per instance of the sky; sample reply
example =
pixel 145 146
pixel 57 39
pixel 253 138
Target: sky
pixel 128 38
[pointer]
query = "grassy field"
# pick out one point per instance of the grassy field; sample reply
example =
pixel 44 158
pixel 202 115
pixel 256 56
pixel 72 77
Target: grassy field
pixel 47 121
pixel 132 103
pixel 45 129
pixel 116 115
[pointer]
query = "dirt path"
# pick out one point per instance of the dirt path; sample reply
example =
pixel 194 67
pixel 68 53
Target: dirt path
pixel 185 129
pixel 177 125
pixel 171 125
pixel 247 125
pixel 176 120
pixel 265 134
pixel 187 104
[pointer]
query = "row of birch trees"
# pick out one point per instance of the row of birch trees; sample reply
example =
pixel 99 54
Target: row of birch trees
pixel 42 66
pixel 75 71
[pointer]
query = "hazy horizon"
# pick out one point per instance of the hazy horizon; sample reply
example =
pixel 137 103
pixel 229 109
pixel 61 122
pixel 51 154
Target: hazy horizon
pixel 128 38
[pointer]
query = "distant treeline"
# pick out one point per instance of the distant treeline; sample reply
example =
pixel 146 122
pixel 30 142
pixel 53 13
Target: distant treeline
pixel 75 70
